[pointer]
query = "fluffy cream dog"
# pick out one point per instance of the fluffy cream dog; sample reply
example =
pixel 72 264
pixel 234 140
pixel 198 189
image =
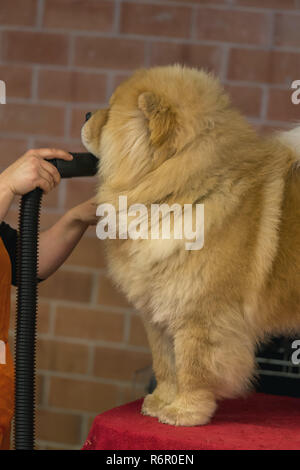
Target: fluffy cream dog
pixel 171 135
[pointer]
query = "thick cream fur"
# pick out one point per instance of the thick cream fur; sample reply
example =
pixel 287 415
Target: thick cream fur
pixel 171 135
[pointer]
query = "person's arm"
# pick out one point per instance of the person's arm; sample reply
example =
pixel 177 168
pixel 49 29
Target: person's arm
pixel 57 243
pixel 27 173
pixel 6 199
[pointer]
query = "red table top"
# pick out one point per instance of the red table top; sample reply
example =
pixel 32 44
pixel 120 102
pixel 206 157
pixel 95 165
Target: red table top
pixel 257 422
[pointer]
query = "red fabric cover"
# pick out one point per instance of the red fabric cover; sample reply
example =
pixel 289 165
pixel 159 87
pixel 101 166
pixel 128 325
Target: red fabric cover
pixel 257 422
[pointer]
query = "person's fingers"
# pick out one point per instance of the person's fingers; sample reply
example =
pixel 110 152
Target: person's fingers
pixel 45 185
pixel 49 153
pixel 52 170
pixel 44 175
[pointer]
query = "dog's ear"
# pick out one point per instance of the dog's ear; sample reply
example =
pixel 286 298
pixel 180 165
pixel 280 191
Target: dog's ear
pixel 161 118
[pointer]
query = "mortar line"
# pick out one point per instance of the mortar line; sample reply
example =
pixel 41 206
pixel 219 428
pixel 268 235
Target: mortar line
pixel 40 14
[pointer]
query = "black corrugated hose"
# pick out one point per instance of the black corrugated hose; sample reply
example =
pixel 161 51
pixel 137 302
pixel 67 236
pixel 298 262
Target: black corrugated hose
pixel 83 164
pixel 26 320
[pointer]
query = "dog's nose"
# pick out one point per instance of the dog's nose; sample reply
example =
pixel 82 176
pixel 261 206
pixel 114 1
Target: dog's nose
pixel 87 116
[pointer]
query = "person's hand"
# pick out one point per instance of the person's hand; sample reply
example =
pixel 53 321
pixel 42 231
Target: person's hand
pixel 85 213
pixel 32 171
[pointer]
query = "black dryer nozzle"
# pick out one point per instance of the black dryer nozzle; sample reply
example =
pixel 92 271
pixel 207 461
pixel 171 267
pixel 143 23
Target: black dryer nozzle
pixel 83 164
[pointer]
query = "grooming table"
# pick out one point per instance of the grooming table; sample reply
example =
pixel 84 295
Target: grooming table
pixel 258 422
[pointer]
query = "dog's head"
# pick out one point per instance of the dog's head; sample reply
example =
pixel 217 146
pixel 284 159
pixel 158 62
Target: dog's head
pixel 152 116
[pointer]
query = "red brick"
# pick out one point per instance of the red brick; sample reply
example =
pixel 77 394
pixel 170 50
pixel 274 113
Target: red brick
pixel 10 150
pixel 91 420
pixel 287 30
pixel 119 364
pixel 35 47
pixel 280 106
pixel 79 14
pixel 32 119
pixel 67 285
pixel 62 357
pixel 203 2
pixel 268 128
pixel 164 53
pixel 278 4
pixel 110 53
pixel 72 86
pixel 89 252
pixel 17 79
pixel 109 295
pixel 59 427
pixel 118 79
pixel 43 316
pixel 16 13
pixel 263 66
pixel 246 99
pixel 133 393
pixel 245 27
pixel 91 324
pixel 65 144
pixel 137 335
pixel 80 190
pixel 51 199
pixel 77 121
pixel 82 395
pixel 155 20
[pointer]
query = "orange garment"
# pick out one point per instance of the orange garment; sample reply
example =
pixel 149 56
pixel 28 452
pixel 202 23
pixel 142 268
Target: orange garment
pixel 7 369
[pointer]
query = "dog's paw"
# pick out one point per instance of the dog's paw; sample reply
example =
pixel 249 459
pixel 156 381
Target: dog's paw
pixel 162 396
pixel 177 417
pixel 152 405
pixel 179 413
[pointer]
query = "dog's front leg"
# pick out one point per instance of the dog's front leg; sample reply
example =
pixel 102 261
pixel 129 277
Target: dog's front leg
pixel 164 368
pixel 214 356
pixel 195 401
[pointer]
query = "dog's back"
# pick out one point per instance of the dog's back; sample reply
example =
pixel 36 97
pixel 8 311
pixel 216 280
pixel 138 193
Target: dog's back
pixel 283 293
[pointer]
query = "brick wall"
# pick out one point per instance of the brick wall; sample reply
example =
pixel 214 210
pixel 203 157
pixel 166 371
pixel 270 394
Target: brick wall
pixel 61 58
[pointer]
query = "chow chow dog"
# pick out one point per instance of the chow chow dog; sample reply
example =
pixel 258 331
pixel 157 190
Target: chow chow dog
pixel 171 135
